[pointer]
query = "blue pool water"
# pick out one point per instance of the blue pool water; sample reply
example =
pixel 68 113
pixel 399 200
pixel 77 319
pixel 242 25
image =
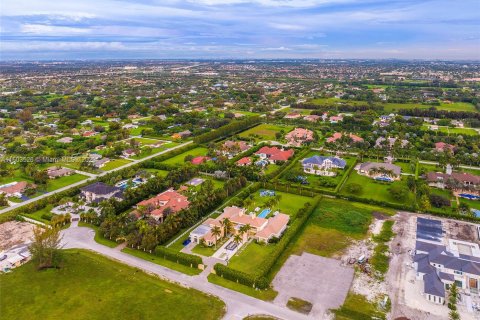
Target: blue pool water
pixel 476 212
pixel 264 213
pixel 384 179
pixel 469 196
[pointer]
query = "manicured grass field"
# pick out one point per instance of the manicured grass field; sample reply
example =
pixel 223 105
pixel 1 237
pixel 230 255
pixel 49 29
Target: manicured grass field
pixel 203 250
pixel 407 167
pixel 251 257
pixel 54 184
pixel 289 203
pixel 161 173
pixel 180 159
pixel 376 190
pixel 163 262
pixel 264 132
pixel 267 295
pixel 89 286
pixel 467 131
pixel 113 164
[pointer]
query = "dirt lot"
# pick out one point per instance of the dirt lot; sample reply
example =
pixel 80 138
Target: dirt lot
pixel 324 282
pixel 13 233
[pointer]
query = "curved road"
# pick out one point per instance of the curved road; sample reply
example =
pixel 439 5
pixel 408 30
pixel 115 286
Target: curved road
pixel 238 305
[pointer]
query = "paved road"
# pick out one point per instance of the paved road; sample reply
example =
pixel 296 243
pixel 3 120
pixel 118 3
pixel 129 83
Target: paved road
pixel 92 177
pixel 238 305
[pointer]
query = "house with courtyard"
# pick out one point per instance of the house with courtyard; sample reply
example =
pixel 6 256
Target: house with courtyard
pixel 99 191
pixel 379 171
pixel 261 229
pixel 322 166
pixel 162 205
pixel 274 154
pixel 299 136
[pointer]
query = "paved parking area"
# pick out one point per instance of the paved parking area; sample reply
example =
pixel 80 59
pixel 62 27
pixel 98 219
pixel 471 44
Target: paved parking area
pixel 321 281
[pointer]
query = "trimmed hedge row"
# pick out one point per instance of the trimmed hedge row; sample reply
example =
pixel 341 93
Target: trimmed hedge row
pixel 188 260
pixel 345 176
pixel 240 277
pixel 228 129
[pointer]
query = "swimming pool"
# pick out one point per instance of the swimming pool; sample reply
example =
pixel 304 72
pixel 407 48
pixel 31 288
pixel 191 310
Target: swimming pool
pixel 476 212
pixel 264 213
pixel 469 196
pixel 387 179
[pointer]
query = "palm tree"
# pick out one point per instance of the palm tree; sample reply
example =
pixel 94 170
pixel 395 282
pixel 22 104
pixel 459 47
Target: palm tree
pixel 237 239
pixel 216 232
pixel 227 226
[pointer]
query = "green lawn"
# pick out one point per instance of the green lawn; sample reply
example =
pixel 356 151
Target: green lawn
pixel 99 238
pixel 467 131
pixel 319 181
pixel 266 295
pixel 163 262
pixel 407 167
pixel 180 159
pixel 357 307
pixel 376 190
pixel 251 257
pixel 289 203
pixel 90 286
pixel 161 173
pixel 54 184
pixel 203 250
pixel 37 215
pixel 113 164
pixel 264 132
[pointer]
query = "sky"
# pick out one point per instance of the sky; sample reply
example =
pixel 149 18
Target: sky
pixel 241 29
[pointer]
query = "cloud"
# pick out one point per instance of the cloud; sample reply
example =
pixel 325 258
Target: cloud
pixel 238 28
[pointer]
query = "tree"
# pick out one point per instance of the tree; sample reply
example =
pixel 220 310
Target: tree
pixel 216 232
pixel 237 239
pixel 398 192
pixel 452 302
pixel 45 248
pixel 354 188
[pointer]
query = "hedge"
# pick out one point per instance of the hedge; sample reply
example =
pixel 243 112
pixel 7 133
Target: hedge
pixel 345 176
pixel 241 277
pixel 189 260
pixel 228 129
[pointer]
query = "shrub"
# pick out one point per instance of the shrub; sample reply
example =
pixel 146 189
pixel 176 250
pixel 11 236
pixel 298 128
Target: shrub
pixel 178 257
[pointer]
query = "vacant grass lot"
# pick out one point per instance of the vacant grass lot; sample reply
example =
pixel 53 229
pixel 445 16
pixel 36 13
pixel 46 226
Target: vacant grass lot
pixel 90 286
pixel 467 131
pixel 264 132
pixel 180 159
pixel 333 225
pixel 267 295
pixel 113 164
pixel 54 184
pixel 357 307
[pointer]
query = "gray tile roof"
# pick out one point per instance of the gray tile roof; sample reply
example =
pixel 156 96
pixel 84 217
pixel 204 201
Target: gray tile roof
pixel 433 285
pixel 319 160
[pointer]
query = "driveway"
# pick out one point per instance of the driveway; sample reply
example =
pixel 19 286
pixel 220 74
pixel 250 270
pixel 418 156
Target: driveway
pixel 238 305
